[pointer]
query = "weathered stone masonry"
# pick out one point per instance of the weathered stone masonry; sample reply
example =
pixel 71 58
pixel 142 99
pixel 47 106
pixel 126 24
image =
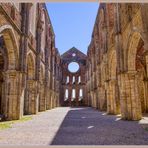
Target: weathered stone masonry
pixel 28 73
pixel 112 77
pixel 117 70
pixel 73 91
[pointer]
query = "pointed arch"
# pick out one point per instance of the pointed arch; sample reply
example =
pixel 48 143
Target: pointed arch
pixel 8 35
pixel 132 51
pixel 30 66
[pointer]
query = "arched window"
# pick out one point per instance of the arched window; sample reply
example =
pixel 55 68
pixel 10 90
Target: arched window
pixel 73 94
pixel 67 79
pixel 66 95
pixel 73 79
pixel 79 79
pixel 80 94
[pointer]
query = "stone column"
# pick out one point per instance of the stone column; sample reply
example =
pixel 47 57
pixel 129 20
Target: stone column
pixel 52 99
pixel 42 100
pixel 32 98
pixel 112 97
pixel 48 98
pixel 108 97
pixel 129 100
pixel 13 94
pixel 123 95
pixel 145 95
pixel 98 99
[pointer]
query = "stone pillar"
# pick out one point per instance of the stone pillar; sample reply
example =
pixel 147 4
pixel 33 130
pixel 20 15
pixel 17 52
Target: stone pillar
pixel 31 102
pixel 123 95
pixel 112 97
pixel 108 98
pixel 95 99
pixel 145 95
pixel 135 102
pixel 146 65
pixel 48 98
pixel 55 98
pixel 58 99
pixel 51 102
pixel 42 99
pixel 13 95
pixel 98 99
pixel 129 100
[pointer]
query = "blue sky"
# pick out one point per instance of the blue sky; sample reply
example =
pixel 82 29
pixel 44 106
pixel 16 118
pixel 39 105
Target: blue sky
pixel 72 23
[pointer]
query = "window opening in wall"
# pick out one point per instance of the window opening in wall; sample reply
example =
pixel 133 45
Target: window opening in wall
pixel 66 95
pixel 73 94
pixel 80 94
pixel 73 79
pixel 73 67
pixel 67 79
pixel 79 79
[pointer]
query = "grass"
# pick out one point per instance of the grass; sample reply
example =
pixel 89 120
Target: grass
pixel 8 124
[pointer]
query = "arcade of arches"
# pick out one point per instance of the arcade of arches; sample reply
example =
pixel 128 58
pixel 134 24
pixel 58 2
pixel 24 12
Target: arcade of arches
pixel 112 77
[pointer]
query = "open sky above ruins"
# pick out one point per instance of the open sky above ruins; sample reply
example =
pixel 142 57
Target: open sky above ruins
pixel 72 23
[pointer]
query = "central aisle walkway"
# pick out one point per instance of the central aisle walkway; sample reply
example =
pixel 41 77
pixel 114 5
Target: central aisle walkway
pixel 74 126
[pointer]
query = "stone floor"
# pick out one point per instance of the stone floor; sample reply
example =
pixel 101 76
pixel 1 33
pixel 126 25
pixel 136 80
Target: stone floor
pixel 76 126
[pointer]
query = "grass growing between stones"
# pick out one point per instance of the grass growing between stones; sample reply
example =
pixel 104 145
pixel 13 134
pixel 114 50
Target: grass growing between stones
pixel 8 124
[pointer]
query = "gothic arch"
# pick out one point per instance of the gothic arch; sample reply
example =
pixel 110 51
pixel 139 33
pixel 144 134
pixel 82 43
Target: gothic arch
pixel 11 53
pixel 133 36
pixel 132 50
pixel 30 66
pixel 136 74
pixel 113 105
pixel 9 66
pixel 30 101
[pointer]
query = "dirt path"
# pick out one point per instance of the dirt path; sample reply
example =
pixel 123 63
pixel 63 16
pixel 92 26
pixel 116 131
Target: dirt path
pixel 74 126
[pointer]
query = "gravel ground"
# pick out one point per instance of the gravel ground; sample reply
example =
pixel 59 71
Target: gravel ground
pixel 75 126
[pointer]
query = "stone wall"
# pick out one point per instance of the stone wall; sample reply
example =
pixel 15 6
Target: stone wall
pixel 73 91
pixel 119 40
pixel 28 73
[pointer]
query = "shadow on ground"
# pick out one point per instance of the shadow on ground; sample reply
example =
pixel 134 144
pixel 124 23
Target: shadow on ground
pixel 87 126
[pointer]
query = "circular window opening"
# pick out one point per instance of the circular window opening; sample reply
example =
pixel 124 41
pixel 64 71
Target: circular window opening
pixel 73 67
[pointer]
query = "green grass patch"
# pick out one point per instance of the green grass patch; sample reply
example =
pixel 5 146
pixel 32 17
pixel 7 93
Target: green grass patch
pixel 8 124
pixel 5 125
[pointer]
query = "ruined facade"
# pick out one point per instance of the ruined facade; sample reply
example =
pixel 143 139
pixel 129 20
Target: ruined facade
pixel 117 64
pixel 112 77
pixel 29 77
pixel 73 82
